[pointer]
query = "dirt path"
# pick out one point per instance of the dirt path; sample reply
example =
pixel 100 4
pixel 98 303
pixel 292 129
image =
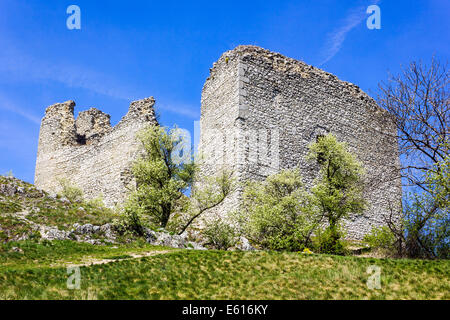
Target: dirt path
pixel 90 262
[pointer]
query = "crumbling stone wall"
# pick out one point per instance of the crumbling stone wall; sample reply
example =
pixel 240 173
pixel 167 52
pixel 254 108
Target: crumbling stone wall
pixel 89 152
pixel 260 111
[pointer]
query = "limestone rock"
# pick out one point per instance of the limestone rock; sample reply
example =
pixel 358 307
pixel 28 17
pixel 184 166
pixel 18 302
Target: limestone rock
pixel 150 235
pixel 163 238
pixel 244 244
pixel 49 233
pixel 16 249
pixel 8 190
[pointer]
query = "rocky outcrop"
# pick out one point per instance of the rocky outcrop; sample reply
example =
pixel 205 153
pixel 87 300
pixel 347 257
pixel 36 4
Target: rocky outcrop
pixel 97 235
pixel 22 210
pixel 162 238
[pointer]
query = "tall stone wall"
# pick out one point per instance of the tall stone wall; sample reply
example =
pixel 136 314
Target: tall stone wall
pixel 88 152
pixel 260 111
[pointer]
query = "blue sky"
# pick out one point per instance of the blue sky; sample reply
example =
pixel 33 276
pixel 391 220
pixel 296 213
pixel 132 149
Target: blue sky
pixel 128 50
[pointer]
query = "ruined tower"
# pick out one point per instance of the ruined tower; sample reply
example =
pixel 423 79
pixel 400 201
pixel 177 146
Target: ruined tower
pixel 260 110
pixel 87 151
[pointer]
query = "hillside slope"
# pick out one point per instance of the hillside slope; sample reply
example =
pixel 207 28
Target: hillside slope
pixel 42 234
pixel 27 212
pixel 192 274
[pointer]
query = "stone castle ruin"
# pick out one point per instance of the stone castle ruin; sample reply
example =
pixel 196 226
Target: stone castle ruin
pixel 259 112
pixel 88 152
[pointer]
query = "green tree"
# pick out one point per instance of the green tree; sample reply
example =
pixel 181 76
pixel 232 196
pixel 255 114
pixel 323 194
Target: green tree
pixel 338 189
pixel 418 99
pixel 276 213
pixel 209 194
pixel 426 216
pixel 164 173
pixel 161 176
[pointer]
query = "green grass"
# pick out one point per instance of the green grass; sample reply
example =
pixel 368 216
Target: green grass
pixel 119 257
pixel 9 206
pixel 188 274
pixel 57 253
pixel 12 227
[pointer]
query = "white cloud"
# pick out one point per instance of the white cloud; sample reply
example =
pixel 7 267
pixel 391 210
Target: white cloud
pixel 181 109
pixel 336 38
pixel 22 67
pixel 18 66
pixel 8 105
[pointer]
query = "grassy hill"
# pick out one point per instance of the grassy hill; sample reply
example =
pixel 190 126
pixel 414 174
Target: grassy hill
pixel 32 267
pixel 140 271
pixel 23 207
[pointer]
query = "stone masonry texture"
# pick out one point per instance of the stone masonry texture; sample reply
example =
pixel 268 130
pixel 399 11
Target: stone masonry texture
pixel 260 110
pixel 88 152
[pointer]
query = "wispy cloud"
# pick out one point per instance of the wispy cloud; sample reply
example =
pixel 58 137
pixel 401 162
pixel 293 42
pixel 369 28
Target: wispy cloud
pixel 7 105
pixel 21 67
pixel 336 38
pixel 180 109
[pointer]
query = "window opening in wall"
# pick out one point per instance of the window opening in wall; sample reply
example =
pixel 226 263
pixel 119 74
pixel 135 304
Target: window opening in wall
pixel 81 139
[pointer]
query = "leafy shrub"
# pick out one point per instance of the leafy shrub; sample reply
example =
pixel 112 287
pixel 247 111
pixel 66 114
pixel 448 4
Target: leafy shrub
pixel 276 213
pixel 69 191
pixel 330 241
pixel 210 193
pixel 380 237
pixel 96 202
pixel 132 218
pixel 279 214
pixel 220 235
